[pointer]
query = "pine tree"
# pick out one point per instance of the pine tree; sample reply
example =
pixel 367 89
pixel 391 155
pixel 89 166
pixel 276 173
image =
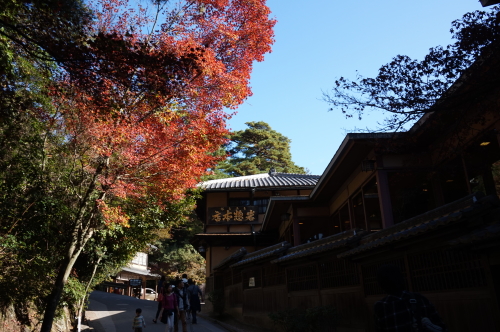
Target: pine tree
pixel 257 149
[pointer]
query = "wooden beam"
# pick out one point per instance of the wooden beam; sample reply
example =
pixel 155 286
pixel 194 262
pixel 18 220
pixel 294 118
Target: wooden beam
pixel 384 198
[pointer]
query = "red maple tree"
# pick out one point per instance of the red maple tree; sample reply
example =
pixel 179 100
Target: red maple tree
pixel 141 105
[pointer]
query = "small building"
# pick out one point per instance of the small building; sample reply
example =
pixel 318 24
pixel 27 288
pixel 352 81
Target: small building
pixel 132 277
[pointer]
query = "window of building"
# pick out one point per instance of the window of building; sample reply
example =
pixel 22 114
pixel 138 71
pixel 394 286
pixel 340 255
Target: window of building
pixel 345 219
pixel 362 210
pixel 358 210
pixel 260 203
pixel 336 223
pixel 453 181
pixel 288 234
pixel 140 259
pixel 411 194
pixel 240 202
pixel 372 205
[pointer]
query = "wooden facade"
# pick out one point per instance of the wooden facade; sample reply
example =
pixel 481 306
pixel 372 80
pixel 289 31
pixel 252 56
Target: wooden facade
pixel 426 200
pixel 340 270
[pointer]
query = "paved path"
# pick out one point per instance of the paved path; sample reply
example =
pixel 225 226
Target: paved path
pixel 109 312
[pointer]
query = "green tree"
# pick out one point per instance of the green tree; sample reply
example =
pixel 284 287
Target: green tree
pixel 256 150
pixel 175 254
pixel 72 73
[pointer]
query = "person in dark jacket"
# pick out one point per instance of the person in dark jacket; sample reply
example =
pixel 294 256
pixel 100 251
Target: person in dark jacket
pixel 182 304
pixel 194 294
pixel 401 310
pixel 160 297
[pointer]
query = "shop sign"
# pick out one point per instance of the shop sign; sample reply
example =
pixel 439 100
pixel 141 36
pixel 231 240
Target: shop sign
pixel 135 282
pixel 232 214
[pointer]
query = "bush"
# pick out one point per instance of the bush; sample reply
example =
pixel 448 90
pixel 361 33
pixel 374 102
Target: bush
pixel 218 301
pixel 289 320
pixel 323 318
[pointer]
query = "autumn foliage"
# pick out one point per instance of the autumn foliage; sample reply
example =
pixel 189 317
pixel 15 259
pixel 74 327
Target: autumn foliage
pixel 149 97
pixel 126 104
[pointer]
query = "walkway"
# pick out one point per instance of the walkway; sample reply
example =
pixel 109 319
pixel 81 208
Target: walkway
pixel 114 313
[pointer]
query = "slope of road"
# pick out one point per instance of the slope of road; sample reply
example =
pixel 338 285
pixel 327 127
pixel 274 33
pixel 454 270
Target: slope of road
pixel 109 312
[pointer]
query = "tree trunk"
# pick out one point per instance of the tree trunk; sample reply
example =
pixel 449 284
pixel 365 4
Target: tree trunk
pixel 62 278
pixel 82 232
pixel 82 301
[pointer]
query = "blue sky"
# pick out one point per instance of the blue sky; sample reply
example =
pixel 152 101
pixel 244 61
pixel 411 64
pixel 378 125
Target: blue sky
pixel 320 40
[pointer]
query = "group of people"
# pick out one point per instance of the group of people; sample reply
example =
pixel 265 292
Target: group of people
pixel 400 310
pixel 176 300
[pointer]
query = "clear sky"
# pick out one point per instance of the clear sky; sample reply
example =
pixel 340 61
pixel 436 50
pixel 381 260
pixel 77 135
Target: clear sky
pixel 320 40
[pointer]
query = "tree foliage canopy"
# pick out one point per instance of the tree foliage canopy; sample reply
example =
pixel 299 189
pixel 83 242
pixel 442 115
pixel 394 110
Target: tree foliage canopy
pixel 406 88
pixel 109 115
pixel 256 150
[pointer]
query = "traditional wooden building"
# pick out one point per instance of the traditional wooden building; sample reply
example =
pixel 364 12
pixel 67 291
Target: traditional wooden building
pixel 233 209
pixel 426 200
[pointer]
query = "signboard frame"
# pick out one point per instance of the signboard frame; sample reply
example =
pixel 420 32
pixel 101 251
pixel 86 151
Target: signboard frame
pixel 233 215
pixel 135 282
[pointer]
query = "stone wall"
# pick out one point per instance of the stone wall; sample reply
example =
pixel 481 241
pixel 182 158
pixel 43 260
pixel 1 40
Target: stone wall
pixel 9 321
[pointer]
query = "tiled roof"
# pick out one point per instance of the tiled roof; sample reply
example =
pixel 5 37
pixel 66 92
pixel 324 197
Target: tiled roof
pixel 268 252
pixel 325 244
pixel 480 236
pixel 422 224
pixel 137 271
pixel 223 234
pixel 230 259
pixel 267 180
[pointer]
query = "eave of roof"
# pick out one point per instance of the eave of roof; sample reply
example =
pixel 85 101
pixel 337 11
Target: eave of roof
pixel 486 3
pixel 137 271
pixel 223 234
pixel 265 181
pixel 263 254
pixel 422 224
pixel 273 201
pixel 490 233
pixel 479 74
pixel 344 148
pixel 232 258
pixel 329 243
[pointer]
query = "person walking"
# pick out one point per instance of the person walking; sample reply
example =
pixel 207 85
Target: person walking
pixel 170 308
pixel 401 310
pixel 194 295
pixel 183 306
pixel 185 280
pixel 139 322
pixel 161 295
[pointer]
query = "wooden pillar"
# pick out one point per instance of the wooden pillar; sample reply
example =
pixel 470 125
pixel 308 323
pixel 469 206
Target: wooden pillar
pixel 384 198
pixel 143 287
pixel 320 299
pixel 296 227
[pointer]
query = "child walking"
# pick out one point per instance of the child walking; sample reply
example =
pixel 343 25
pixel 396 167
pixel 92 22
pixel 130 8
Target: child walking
pixel 139 321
